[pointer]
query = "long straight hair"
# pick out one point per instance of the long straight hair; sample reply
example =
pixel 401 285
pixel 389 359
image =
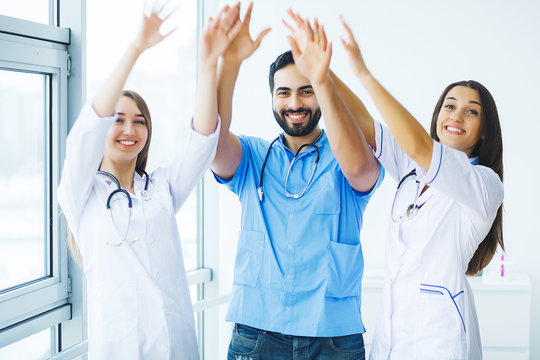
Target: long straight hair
pixel 140 165
pixel 489 150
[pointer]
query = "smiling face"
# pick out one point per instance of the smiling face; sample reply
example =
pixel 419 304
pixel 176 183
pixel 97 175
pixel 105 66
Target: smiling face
pixel 459 124
pixel 294 103
pixel 128 135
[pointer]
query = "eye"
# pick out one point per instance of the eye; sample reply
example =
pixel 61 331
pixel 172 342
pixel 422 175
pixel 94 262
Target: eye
pixel 472 112
pixel 119 120
pixel 282 93
pixel 449 106
pixel 307 92
pixel 139 121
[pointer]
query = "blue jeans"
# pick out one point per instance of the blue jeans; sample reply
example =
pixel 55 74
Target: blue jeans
pixel 248 343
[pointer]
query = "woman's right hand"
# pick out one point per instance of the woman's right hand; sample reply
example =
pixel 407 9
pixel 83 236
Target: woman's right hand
pixel 148 34
pixel 355 56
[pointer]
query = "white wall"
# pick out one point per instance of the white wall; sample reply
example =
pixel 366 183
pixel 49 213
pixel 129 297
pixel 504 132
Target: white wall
pixel 415 49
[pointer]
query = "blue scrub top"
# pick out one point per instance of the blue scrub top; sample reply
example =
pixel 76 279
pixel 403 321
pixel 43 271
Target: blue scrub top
pixel 299 262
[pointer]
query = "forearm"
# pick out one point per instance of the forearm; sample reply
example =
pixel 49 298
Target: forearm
pixel 229 149
pixel 346 138
pixel 359 112
pixel 411 137
pixel 206 105
pixel 110 91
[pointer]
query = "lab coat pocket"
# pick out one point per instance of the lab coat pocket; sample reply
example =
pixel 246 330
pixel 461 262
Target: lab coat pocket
pixel 440 326
pixel 248 258
pixel 345 268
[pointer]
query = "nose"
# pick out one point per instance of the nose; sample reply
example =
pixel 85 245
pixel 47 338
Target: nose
pixel 128 128
pixel 295 102
pixel 457 116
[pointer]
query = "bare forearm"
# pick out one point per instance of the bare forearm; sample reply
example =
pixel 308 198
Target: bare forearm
pixel 411 137
pixel 229 150
pixel 356 106
pixel 346 139
pixel 110 91
pixel 206 106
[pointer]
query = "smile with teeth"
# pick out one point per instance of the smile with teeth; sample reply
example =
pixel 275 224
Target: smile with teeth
pixel 297 117
pixel 454 130
pixel 127 142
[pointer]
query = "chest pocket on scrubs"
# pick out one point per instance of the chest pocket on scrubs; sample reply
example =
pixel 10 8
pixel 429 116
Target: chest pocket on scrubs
pixel 248 258
pixel 440 323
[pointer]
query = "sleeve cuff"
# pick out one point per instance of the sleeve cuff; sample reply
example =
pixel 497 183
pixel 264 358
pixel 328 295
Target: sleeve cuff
pixel 378 139
pixel 427 177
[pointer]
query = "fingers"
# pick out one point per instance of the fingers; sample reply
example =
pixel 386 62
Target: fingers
pixel 261 35
pixel 294 47
pixel 247 17
pixel 291 29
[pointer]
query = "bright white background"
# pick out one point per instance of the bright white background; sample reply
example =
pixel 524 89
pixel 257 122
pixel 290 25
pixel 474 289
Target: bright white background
pixel 415 48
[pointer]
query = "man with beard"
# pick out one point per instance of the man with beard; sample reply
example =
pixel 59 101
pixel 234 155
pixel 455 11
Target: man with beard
pixel 299 263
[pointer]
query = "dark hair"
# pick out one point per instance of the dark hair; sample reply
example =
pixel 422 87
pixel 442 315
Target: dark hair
pixel 281 61
pixel 489 151
pixel 142 158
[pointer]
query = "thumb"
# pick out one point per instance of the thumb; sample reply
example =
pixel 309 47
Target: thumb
pixel 294 47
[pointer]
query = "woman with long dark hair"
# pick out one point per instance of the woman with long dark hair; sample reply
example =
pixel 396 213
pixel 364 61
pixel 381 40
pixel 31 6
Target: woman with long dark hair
pixel 446 216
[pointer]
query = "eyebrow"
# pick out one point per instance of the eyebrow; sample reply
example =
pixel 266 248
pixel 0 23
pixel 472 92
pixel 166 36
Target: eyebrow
pixel 136 115
pixel 470 101
pixel 288 89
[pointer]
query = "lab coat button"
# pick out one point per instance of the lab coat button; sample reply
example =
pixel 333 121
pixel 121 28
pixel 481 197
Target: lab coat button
pixel 291 216
pixel 289 246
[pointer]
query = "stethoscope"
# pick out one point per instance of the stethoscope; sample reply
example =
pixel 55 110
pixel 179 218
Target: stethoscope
pixel 145 195
pixel 287 194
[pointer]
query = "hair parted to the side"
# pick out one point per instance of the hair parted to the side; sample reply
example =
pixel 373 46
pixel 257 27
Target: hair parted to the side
pixel 489 151
pixel 281 61
pixel 142 158
pixel 140 165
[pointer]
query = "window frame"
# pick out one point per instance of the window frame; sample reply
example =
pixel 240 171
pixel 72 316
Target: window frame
pixel 33 306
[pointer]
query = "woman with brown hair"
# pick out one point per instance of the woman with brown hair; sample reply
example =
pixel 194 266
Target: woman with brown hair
pixel 446 216
pixel 123 219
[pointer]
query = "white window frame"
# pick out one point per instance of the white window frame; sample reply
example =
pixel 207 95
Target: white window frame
pixel 37 48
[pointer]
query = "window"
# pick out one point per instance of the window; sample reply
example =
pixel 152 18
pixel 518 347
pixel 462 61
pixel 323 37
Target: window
pixel 33 93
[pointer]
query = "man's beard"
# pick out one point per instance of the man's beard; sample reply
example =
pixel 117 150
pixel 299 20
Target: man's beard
pixel 301 129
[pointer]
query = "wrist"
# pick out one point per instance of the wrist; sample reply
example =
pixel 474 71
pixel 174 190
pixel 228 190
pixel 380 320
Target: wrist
pixel 231 61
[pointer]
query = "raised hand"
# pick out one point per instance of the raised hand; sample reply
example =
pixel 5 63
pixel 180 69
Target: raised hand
pixel 243 45
pixel 355 56
pixel 314 60
pixel 217 36
pixel 298 33
pixel 149 34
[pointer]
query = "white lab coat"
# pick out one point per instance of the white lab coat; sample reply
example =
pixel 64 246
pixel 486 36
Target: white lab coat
pixel 138 299
pixel 428 310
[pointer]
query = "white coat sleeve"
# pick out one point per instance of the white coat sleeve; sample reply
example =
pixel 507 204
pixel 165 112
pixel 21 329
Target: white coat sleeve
pixel 85 146
pixel 474 186
pixel 189 166
pixel 395 162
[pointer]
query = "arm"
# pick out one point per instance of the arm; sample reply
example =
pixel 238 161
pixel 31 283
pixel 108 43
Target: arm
pixel 229 152
pixel 355 105
pixel 409 134
pixel 110 91
pixel 214 40
pixel 347 141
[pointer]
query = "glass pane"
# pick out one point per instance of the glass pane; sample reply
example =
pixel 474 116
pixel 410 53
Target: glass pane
pixel 35 347
pixel 165 76
pixel 22 203
pixel 32 10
